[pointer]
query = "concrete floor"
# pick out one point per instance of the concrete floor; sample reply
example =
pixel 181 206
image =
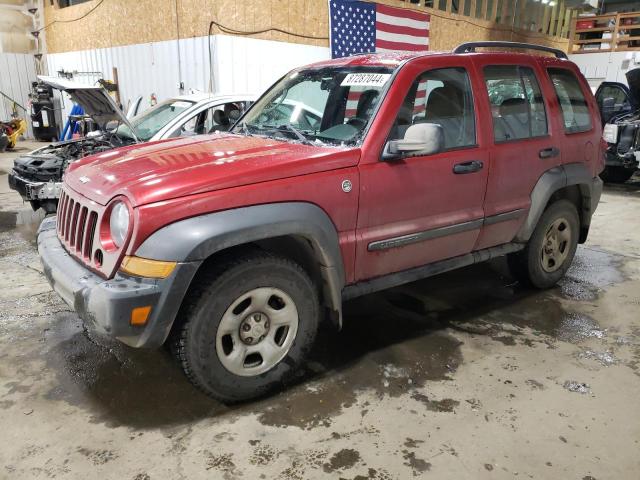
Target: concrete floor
pixel 463 376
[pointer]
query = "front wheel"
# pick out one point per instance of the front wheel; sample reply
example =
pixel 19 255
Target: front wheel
pixel 551 248
pixel 247 326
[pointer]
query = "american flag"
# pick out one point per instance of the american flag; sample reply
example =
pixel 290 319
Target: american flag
pixel 364 27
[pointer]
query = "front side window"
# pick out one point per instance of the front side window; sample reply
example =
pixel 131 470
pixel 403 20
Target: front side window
pixel 331 105
pixel 441 97
pixel 517 107
pixel 612 91
pixel 575 111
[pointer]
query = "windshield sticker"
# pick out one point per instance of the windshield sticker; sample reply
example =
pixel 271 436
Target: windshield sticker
pixel 365 80
pixel 180 105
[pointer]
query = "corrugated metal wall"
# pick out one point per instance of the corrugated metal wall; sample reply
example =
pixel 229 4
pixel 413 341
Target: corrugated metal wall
pixel 239 65
pixel 17 71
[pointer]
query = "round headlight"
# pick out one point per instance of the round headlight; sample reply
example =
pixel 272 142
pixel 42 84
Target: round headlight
pixel 119 223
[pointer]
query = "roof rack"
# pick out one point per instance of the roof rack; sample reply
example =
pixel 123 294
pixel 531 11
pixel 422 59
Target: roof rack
pixel 471 47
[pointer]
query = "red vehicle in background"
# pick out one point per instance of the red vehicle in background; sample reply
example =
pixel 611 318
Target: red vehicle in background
pixel 233 247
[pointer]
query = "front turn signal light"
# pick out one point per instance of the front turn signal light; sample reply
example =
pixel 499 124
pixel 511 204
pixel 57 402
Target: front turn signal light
pixel 144 267
pixel 140 315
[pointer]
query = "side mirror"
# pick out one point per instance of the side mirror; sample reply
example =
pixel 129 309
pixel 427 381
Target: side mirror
pixel 419 139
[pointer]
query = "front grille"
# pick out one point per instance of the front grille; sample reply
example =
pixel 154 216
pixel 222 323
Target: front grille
pixel 78 221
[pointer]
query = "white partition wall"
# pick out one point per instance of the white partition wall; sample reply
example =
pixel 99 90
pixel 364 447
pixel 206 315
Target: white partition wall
pixel 240 64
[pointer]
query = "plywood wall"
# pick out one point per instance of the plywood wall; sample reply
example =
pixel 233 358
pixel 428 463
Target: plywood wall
pixel 126 22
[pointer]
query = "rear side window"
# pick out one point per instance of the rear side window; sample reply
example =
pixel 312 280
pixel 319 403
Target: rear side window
pixel 517 106
pixel 575 110
pixel 443 97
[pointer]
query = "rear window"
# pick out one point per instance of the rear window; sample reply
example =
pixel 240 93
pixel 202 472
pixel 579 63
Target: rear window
pixel 575 111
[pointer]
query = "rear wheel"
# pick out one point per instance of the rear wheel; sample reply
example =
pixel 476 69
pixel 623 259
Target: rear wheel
pixel 247 326
pixel 551 248
pixel 616 174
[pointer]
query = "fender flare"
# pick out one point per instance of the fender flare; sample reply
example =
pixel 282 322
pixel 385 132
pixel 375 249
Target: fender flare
pixel 196 239
pixel 553 180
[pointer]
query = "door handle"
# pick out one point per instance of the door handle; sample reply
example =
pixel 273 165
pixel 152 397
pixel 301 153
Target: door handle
pixel 468 167
pixel 549 152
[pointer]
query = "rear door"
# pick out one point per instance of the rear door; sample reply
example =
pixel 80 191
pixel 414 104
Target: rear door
pixel 523 144
pixel 420 209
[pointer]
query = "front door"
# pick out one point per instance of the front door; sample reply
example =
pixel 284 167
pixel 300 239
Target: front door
pixel 418 209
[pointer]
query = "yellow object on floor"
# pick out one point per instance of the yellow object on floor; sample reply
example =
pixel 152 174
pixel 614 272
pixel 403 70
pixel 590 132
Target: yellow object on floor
pixel 18 126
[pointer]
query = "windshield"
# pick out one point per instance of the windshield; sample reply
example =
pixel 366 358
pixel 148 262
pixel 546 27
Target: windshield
pixel 148 123
pixel 328 105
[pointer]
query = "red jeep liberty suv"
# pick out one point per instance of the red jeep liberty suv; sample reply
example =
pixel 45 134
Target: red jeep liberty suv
pixel 346 177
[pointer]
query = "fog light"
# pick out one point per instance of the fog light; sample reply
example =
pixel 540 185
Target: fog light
pixel 140 315
pixel 144 267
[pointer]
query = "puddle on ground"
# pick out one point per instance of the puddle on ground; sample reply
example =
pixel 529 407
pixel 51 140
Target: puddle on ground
pixel 591 272
pixel 118 384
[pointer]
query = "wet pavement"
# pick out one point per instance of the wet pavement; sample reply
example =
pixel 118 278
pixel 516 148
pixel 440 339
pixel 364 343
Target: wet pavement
pixel 465 375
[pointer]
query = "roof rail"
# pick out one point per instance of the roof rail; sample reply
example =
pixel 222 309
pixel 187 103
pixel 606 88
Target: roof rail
pixel 471 47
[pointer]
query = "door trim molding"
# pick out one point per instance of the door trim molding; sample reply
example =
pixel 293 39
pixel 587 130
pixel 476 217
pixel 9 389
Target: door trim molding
pixel 504 216
pixel 430 234
pixel 423 235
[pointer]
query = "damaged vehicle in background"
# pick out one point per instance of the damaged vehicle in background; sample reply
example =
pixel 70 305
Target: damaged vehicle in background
pixel 37 176
pixel 620 112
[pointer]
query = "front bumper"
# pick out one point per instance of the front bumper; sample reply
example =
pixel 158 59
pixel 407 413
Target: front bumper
pixel 30 190
pixel 629 161
pixel 106 305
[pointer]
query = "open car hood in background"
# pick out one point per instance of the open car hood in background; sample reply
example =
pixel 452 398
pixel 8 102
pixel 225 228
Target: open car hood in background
pixel 95 101
pixel 633 80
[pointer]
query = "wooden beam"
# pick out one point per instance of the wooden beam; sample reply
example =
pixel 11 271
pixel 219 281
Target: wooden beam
pixel 461 5
pixel 483 9
pixel 545 19
pixel 494 11
pixel 448 7
pixel 539 17
pixel 522 5
pixel 504 14
pixel 614 37
pixel 554 18
pixel 473 7
pixel 567 22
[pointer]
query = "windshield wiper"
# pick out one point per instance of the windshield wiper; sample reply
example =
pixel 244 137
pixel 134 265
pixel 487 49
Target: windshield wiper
pixel 296 132
pixel 244 129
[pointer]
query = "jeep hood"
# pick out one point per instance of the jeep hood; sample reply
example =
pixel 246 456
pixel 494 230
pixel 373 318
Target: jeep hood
pixel 633 80
pixel 94 100
pixel 157 171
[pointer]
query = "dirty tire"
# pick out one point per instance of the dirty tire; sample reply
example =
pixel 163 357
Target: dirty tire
pixel 527 265
pixel 616 174
pixel 195 345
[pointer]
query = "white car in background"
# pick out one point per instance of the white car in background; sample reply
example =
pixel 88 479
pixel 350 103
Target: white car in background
pixel 37 176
